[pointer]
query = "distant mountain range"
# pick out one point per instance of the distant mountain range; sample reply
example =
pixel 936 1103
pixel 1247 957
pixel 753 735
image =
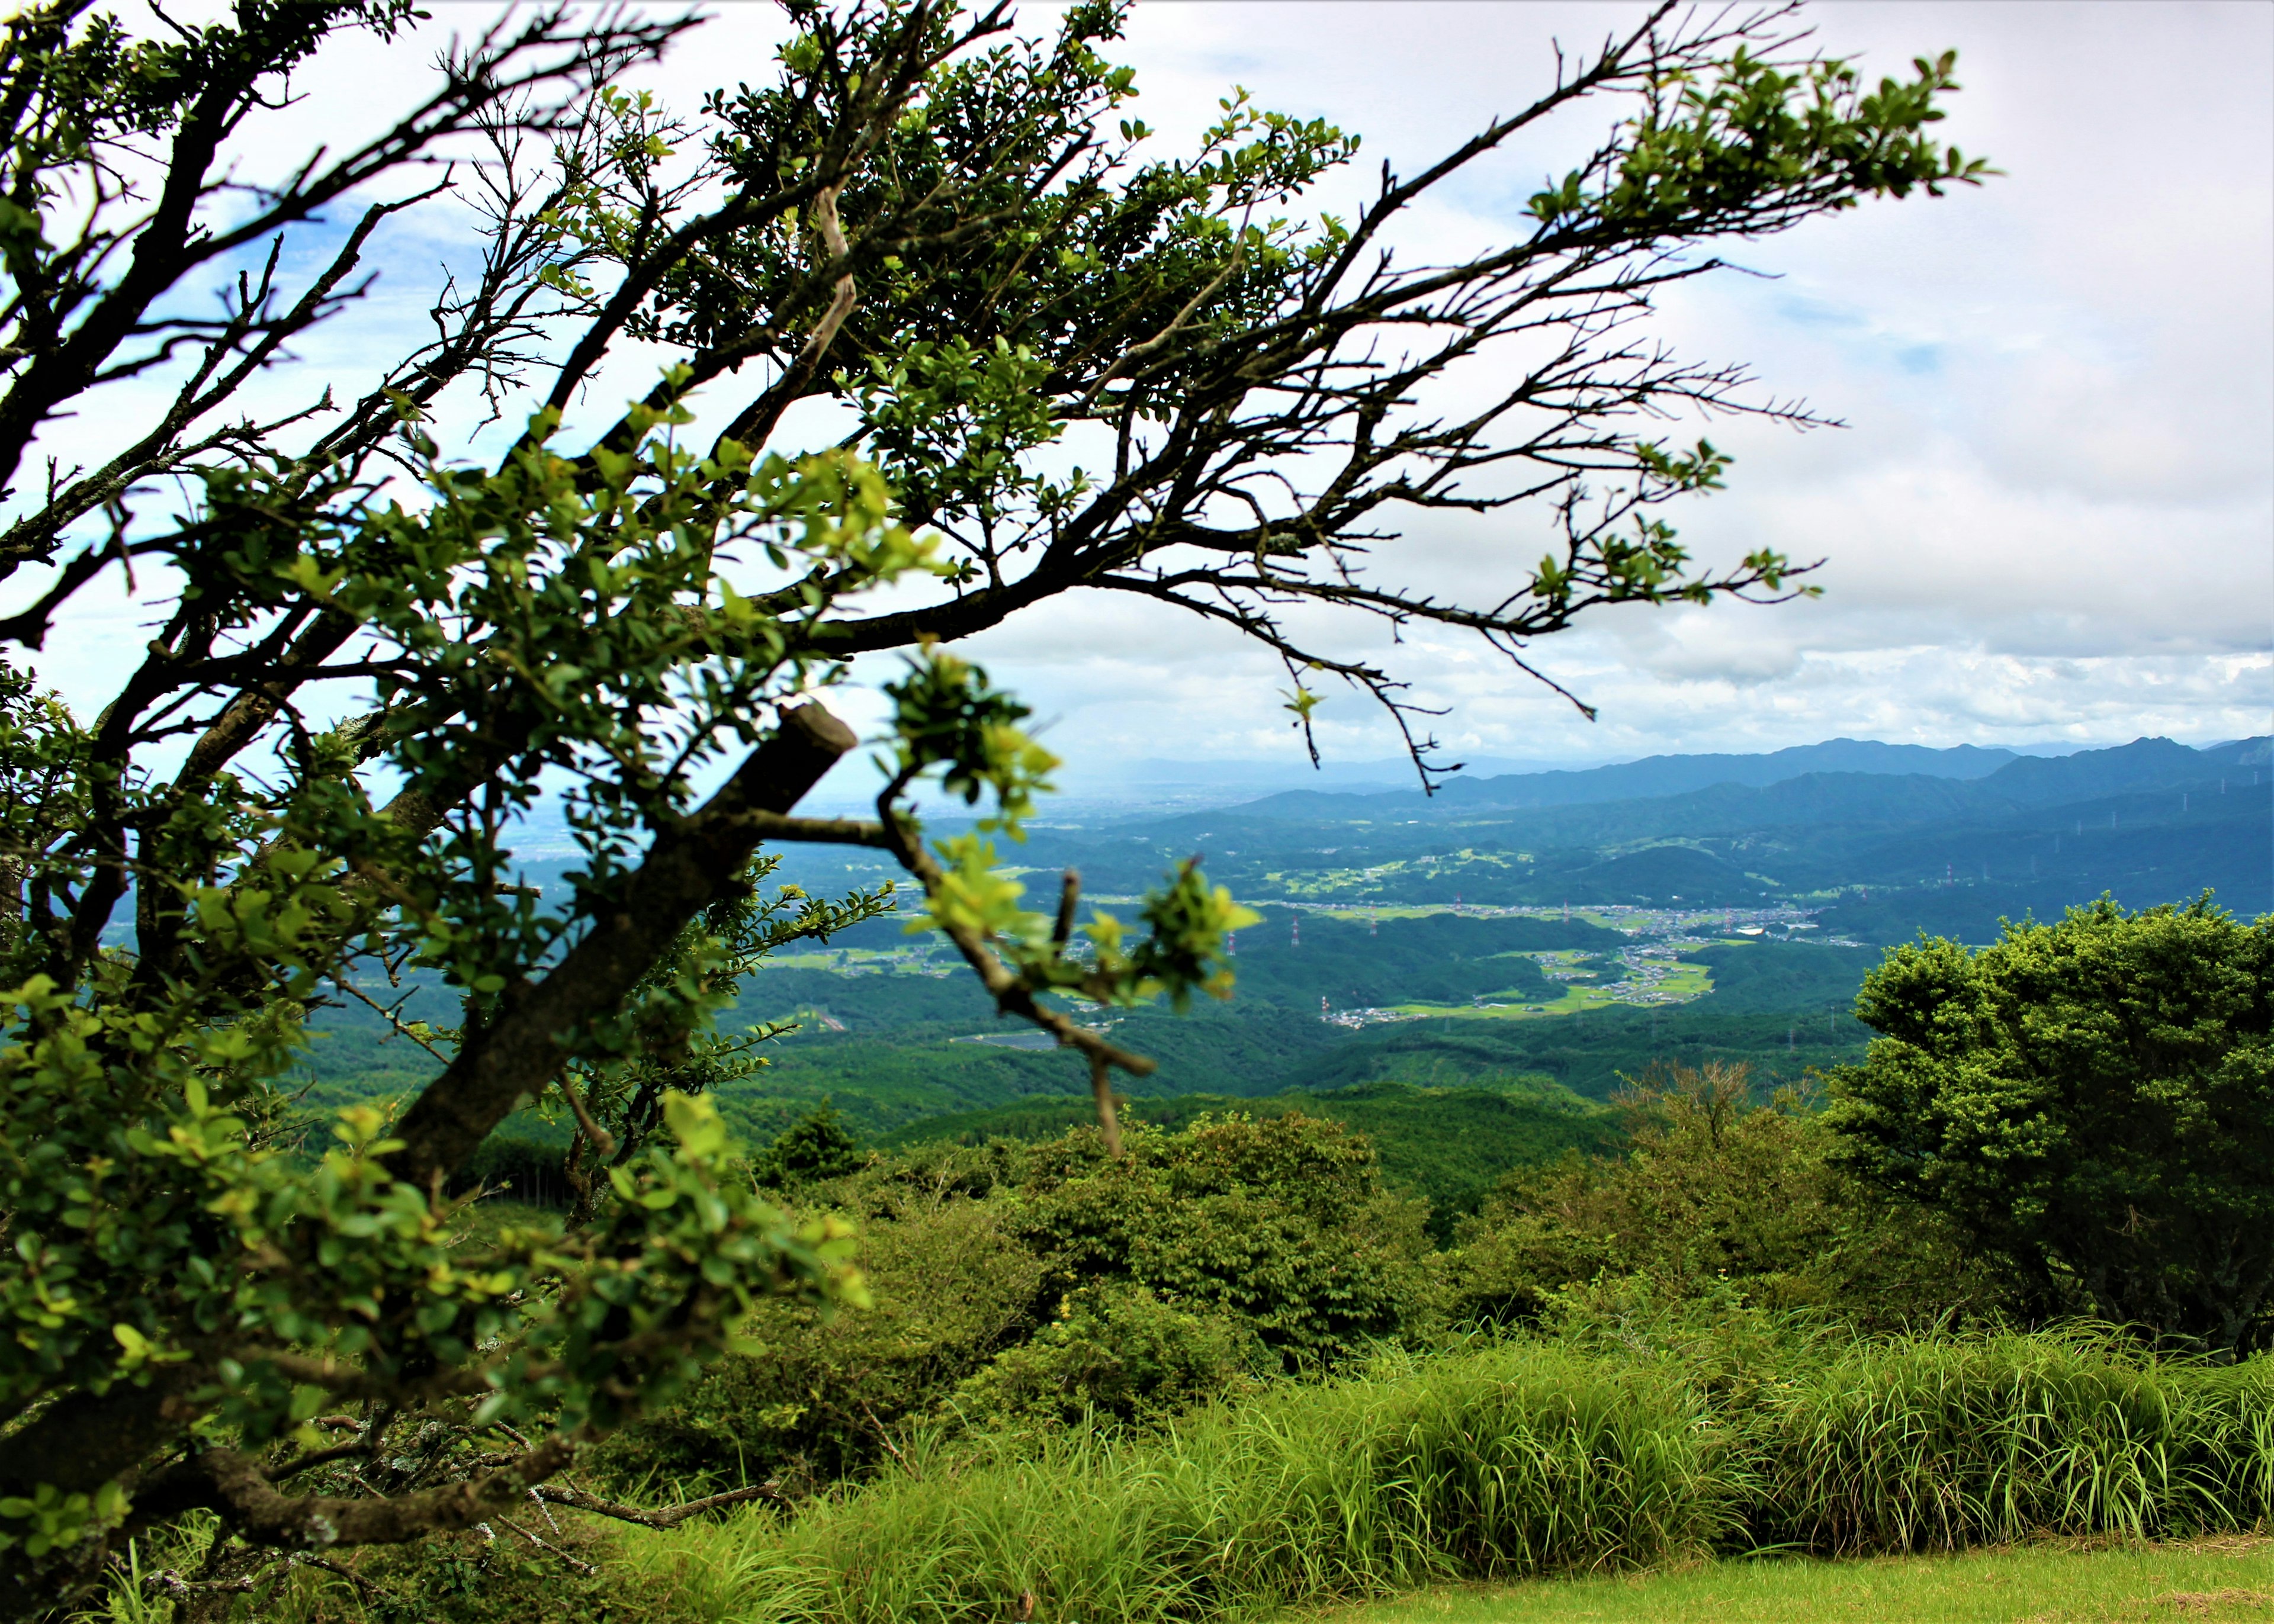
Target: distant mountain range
pixel 1884 837
pixel 2033 776
pixel 1093 784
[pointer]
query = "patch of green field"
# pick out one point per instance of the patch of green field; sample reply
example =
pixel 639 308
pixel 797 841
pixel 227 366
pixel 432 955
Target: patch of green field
pixel 1680 983
pixel 2209 1579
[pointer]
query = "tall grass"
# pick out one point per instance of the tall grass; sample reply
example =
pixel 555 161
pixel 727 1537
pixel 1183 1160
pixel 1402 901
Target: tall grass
pixel 1938 1442
pixel 1515 1459
pixel 1499 1463
pixel 1494 1462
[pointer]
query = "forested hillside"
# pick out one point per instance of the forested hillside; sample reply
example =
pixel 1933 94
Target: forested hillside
pixel 890 1031
pixel 2149 822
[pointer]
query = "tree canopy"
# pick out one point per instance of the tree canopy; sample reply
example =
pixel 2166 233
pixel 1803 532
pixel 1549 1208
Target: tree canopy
pixel 369 655
pixel 2093 1102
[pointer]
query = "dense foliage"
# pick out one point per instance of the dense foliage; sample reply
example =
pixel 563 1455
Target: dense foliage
pixel 2091 1101
pixel 1016 1280
pixel 1721 1196
pixel 1449 1146
pixel 367 655
pixel 1083 1373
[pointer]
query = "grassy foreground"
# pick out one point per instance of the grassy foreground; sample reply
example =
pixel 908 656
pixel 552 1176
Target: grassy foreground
pixel 1494 1464
pixel 2208 1579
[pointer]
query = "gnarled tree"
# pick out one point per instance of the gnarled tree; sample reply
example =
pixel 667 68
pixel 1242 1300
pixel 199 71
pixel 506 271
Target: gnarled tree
pixel 365 654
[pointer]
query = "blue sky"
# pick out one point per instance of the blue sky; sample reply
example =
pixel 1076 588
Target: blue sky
pixel 2051 517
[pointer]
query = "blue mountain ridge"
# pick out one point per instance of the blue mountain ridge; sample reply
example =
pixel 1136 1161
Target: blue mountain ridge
pixel 1848 772
pixel 1655 776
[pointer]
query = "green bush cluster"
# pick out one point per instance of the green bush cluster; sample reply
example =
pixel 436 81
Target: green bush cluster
pixel 2091 1101
pixel 1720 1194
pixel 1022 1283
pixel 817 1398
pixel 1122 1351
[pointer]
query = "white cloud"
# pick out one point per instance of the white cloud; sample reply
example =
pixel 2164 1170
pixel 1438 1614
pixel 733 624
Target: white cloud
pixel 2052 515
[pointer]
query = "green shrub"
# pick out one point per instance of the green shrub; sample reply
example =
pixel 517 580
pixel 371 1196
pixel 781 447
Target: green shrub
pixel 1718 1197
pixel 1282 1221
pixel 822 1399
pixel 1179 1266
pixel 815 1147
pixel 1118 1351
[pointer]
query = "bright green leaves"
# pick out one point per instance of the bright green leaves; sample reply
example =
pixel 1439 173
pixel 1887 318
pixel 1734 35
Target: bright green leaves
pixel 948 717
pixel 48 1518
pixel 1189 921
pixel 1699 469
pixel 553 615
pixel 1182 951
pixel 599 581
pixel 615 156
pixel 952 423
pixel 565 615
pixel 1252 156
pixel 835 509
pixel 689 1245
pixel 1643 562
pixel 338 1268
pixel 972 895
pixel 1711 151
pixel 947 714
pixel 695 1123
pixel 290 923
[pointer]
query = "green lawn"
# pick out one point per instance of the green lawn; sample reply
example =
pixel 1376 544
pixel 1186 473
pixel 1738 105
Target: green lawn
pixel 2213 1579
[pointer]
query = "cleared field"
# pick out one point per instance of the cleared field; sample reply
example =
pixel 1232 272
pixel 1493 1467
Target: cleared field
pixel 1669 982
pixel 2212 1579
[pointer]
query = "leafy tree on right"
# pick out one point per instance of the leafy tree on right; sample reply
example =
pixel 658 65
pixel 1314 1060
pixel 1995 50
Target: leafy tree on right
pixel 2091 1100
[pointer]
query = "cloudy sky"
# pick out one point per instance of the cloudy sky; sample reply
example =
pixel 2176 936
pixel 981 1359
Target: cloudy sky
pixel 2050 515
